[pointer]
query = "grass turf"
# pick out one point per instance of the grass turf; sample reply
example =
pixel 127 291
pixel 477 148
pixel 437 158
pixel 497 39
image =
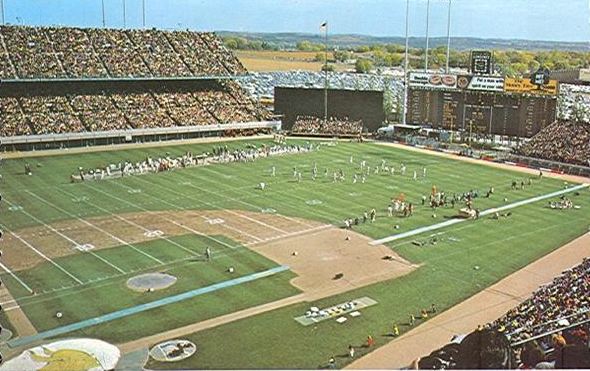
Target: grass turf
pixel 446 277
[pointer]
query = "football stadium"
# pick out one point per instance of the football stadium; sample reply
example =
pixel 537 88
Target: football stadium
pixel 162 206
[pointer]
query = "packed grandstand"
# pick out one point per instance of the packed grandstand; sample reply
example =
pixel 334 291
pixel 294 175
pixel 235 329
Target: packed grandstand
pixel 58 54
pixel 548 330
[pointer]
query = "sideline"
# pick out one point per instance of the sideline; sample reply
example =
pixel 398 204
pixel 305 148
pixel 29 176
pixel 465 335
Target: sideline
pixel 483 213
pixel 483 307
pixel 144 307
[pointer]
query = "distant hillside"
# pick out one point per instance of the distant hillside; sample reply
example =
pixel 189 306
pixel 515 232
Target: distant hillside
pixel 289 40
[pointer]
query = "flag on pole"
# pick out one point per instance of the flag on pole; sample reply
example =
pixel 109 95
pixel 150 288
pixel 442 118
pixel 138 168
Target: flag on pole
pixel 323 26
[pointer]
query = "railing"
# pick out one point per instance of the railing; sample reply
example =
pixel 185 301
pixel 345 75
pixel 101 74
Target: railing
pixel 130 133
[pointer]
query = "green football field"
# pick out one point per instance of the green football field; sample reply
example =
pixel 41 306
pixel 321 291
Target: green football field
pixel 42 211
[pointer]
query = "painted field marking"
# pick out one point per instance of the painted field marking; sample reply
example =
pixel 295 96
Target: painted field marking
pixel 42 255
pixel 168 219
pixel 16 278
pixel 244 202
pixel 85 248
pixel 66 237
pixel 483 213
pixel 154 234
pixel 15 208
pixel 215 221
pixel 137 225
pixel 121 241
pixel 144 307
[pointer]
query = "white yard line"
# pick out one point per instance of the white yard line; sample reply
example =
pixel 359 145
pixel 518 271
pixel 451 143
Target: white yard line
pixel 226 210
pixel 168 219
pixel 130 222
pixel 305 231
pixel 248 203
pixel 66 238
pixel 119 240
pixel 16 278
pixel 41 254
pixel 483 213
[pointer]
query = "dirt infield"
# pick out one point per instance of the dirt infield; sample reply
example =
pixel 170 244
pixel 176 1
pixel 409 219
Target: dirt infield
pixel 320 255
pixel 323 254
pixel 16 316
pixel 481 308
pixel 244 227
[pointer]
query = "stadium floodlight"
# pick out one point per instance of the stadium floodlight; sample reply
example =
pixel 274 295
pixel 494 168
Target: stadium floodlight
pixel 405 105
pixel 448 37
pixel 324 26
pixel 143 12
pixel 103 18
pixel 427 38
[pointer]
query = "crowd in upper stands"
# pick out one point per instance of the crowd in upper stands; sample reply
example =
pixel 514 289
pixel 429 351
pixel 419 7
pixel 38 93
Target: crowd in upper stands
pixel 567 142
pixel 334 126
pixel 59 52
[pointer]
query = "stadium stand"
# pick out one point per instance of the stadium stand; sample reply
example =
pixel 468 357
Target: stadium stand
pixel 334 126
pixel 548 330
pixel 57 54
pixel 567 142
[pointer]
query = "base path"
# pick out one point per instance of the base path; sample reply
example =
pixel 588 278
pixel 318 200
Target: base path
pixel 482 308
pixel 321 255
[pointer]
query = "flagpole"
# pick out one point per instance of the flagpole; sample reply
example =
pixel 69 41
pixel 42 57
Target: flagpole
pixel 427 38
pixel 2 10
pixel 143 12
pixel 448 37
pixel 124 15
pixel 103 20
pixel 405 108
pixel 326 73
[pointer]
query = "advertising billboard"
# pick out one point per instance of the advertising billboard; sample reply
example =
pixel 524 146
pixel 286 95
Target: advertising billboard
pixel 482 83
pixel 522 86
pixel 481 62
pixel 432 80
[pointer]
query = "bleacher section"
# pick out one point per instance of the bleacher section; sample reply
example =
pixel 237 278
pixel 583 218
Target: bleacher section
pixel 73 80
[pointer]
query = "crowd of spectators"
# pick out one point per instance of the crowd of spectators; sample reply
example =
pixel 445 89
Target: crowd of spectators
pixel 118 111
pixel 562 302
pixel 262 84
pixel 334 126
pixel 548 330
pixel 567 142
pixel 60 52
pixel 571 99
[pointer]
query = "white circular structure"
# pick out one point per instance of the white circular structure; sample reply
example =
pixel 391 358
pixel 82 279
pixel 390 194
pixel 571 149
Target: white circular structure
pixel 71 354
pixel 173 350
pixel 151 281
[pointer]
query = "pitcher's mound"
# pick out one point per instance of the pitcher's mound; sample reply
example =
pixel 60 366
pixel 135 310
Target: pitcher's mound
pixel 151 281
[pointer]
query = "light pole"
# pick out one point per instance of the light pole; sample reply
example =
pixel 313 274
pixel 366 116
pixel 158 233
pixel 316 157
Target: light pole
pixel 324 27
pixel 103 19
pixel 427 39
pixel 405 107
pixel 124 15
pixel 448 37
pixel 143 12
pixel 2 10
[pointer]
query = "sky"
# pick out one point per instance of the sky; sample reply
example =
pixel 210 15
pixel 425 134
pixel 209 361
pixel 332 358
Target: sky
pixel 553 20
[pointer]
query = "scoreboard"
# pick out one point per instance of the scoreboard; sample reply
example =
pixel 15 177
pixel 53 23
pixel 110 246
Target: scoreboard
pixel 487 110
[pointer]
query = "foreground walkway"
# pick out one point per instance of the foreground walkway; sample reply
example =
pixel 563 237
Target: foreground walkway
pixel 481 308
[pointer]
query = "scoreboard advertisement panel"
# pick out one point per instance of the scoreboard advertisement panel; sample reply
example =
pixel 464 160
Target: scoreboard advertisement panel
pixel 481 104
pixel 481 62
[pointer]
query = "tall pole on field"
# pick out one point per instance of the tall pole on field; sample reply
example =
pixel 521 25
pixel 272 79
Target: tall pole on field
pixel 405 107
pixel 124 15
pixel 448 37
pixel 143 13
pixel 427 38
pixel 2 10
pixel 325 25
pixel 103 19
